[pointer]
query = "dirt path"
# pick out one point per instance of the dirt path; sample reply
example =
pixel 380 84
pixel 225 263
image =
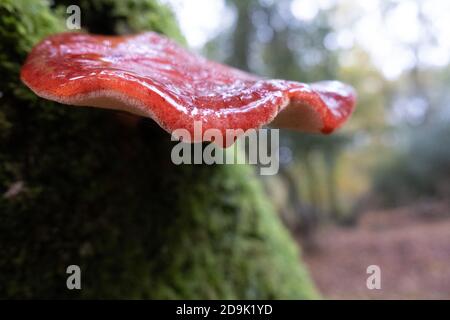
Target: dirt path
pixel 413 253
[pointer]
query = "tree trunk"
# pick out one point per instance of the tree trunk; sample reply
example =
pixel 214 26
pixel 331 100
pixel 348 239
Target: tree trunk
pixel 92 188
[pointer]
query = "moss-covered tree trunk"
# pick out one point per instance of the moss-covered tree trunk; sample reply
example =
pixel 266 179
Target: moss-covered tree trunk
pixel 97 189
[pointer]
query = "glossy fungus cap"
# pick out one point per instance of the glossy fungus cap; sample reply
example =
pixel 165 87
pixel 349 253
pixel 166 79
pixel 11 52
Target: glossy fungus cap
pixel 151 76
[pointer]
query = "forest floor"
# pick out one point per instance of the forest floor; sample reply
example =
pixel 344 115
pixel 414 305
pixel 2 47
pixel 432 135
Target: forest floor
pixel 411 245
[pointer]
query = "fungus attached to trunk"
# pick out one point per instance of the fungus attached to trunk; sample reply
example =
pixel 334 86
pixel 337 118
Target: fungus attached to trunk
pixel 152 76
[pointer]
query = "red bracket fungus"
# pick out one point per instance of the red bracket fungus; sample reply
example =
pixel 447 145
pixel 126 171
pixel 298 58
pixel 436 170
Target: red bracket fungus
pixel 150 75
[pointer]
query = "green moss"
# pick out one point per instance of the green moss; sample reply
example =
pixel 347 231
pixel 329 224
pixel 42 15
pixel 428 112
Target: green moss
pixel 228 227
pixel 125 16
pixel 103 194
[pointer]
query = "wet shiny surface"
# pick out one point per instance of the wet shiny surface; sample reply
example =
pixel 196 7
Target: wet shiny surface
pixel 174 86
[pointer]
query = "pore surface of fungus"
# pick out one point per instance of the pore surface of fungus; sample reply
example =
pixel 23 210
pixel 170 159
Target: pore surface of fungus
pixel 150 75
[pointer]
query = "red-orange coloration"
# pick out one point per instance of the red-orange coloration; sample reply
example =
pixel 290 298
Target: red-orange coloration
pixel 150 75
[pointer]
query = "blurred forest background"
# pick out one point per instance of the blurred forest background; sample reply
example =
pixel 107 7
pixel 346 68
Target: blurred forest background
pixel 378 191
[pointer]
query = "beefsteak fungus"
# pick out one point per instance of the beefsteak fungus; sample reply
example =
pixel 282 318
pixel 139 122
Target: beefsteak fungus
pixel 150 75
